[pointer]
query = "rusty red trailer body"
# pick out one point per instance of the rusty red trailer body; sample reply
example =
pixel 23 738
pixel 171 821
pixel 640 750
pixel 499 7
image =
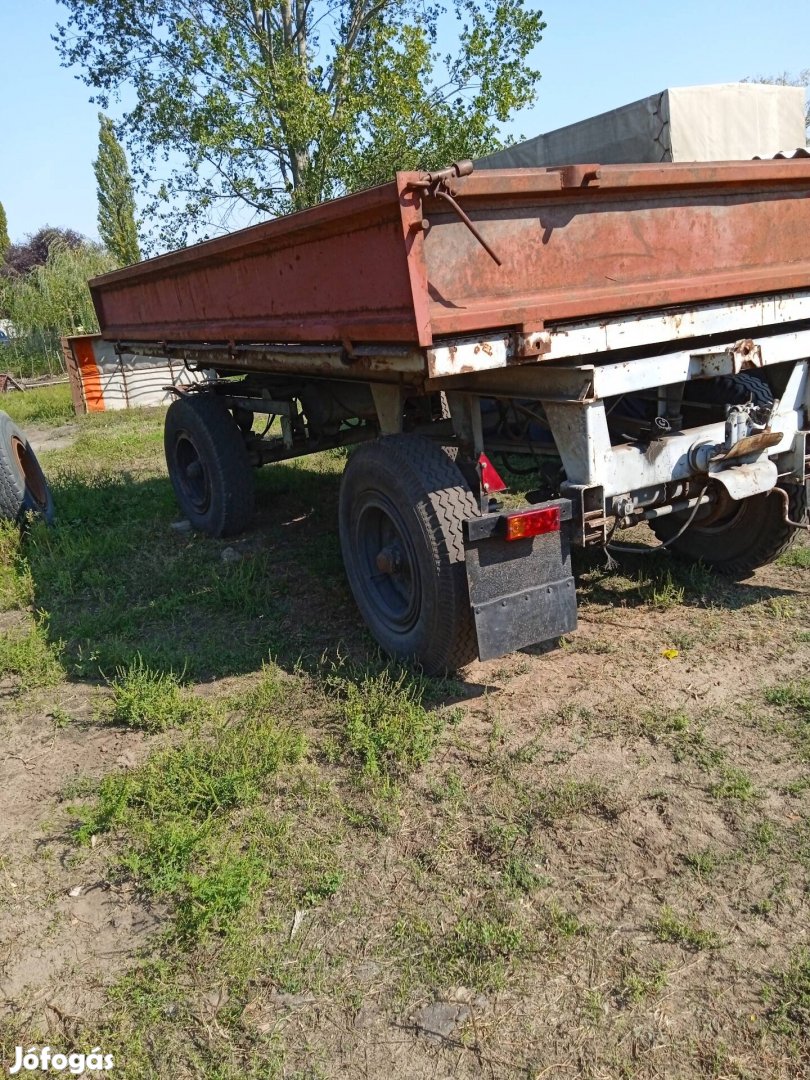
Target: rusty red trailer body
pixel 397 264
pixel 639 334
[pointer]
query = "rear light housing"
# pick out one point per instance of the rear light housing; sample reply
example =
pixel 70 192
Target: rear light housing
pixel 525 523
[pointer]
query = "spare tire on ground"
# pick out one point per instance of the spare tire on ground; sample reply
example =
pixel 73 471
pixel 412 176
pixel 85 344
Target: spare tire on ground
pixel 23 487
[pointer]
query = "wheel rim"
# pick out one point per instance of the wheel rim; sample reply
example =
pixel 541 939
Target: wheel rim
pixel 192 475
pixel 387 564
pixel 29 470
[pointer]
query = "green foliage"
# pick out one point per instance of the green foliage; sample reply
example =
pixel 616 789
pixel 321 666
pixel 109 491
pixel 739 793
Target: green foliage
pixel 261 106
pixel 638 983
pixel 793 696
pixel 48 302
pixel 116 199
pixel 476 951
pixel 44 405
pixel 789 996
pixel 176 811
pixel 5 242
pixel 387 730
pixel 733 784
pixel 152 700
pixel 669 927
pixel 31 658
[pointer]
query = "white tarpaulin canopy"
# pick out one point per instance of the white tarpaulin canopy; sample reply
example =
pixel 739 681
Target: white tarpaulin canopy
pixel 727 122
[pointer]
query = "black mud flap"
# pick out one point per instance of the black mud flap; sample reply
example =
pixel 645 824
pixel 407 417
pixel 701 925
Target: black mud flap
pixel 521 591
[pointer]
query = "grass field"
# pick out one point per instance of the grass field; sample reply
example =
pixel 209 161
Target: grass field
pixel 235 843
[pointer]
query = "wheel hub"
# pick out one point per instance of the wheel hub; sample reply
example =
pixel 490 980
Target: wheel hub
pixel 390 559
pixel 192 474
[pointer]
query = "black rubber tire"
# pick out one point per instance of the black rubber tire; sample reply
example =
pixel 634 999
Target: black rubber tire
pixel 753 532
pixel 730 390
pixel 208 465
pixel 23 487
pixel 403 493
pixel 751 535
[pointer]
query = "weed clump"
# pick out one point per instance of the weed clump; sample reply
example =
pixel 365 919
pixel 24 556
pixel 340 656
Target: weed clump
pixel 32 658
pixel 150 700
pixel 176 810
pixel 789 996
pixel 386 729
pixel 668 927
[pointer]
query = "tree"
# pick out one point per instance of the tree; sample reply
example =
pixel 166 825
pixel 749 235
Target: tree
pixel 274 105
pixel 5 243
pixel 116 199
pixel 34 250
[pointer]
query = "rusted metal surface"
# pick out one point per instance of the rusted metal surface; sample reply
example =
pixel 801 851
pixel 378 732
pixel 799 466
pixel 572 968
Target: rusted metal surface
pixel 574 242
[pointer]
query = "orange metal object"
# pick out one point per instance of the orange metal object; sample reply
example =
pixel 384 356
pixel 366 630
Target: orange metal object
pixel 394 264
pixel 89 375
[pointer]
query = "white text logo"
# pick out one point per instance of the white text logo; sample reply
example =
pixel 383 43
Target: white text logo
pixel 47 1061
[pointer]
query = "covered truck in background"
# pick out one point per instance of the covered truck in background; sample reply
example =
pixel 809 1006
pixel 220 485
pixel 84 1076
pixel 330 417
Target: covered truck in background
pixel 724 122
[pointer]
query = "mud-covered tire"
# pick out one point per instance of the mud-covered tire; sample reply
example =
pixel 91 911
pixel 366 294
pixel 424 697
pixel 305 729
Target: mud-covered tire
pixel 753 533
pixel 23 487
pixel 403 500
pixel 209 466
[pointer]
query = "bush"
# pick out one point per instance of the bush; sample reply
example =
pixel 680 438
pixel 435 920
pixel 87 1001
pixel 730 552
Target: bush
pixel 47 302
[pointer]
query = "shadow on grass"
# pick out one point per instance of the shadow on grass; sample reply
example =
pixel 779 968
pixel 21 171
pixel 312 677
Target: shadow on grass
pixel 660 579
pixel 117 581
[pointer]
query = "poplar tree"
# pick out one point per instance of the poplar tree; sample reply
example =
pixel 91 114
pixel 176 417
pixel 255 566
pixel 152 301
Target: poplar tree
pixel 116 198
pixel 5 242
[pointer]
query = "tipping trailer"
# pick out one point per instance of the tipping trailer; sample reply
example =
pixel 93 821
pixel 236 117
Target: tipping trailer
pixel 636 335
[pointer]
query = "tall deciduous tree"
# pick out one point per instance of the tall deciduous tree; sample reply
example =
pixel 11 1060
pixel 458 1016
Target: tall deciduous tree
pixel 5 242
pixel 275 105
pixel 116 198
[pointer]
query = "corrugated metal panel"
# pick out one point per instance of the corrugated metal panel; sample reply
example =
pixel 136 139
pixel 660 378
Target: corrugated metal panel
pixel 101 380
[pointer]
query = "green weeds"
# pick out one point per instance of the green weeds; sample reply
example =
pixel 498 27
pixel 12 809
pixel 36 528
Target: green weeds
pixel 387 730
pixel 639 982
pixel 149 699
pixel 788 996
pixel 31 657
pixel 685 932
pixel 176 810
pixel 732 783
pixel 45 405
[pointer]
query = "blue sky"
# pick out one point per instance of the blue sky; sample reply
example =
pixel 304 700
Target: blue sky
pixel 594 56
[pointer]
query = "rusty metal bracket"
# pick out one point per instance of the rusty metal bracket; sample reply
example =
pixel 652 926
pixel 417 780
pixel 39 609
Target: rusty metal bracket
pixel 437 185
pixel 575 176
pixel 527 344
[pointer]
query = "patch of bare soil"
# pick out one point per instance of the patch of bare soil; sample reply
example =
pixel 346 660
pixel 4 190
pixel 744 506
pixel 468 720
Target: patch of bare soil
pixel 66 930
pixel 601 874
pixel 51 438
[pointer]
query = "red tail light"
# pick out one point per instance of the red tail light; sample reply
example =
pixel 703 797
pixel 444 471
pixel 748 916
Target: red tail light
pixel 526 523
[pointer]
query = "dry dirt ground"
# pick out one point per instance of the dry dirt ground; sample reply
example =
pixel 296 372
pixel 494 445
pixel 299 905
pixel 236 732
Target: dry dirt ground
pixel 598 869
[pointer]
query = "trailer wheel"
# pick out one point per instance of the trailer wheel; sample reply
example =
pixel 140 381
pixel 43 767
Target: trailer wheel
pixel 402 505
pixel 23 487
pixel 730 390
pixel 743 536
pixel 208 465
